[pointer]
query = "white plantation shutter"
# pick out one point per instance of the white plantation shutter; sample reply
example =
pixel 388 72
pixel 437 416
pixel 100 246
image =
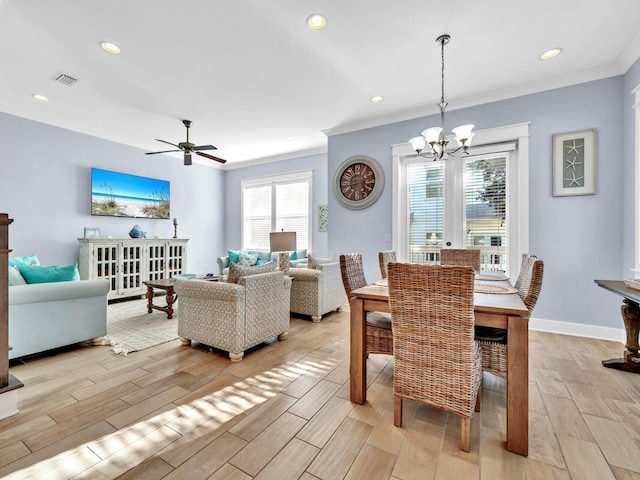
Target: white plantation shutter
pixel 273 204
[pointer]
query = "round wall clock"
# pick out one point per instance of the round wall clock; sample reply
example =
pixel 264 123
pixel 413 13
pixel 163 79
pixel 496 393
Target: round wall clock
pixel 358 182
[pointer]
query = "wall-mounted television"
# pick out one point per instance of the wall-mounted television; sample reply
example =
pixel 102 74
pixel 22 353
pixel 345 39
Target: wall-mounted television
pixel 124 195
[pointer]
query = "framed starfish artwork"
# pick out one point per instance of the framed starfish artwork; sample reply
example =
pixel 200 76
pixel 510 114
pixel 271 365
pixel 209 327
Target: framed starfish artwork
pixel 574 163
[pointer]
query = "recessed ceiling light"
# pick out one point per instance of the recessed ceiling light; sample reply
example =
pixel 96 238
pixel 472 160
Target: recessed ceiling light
pixel 40 98
pixel 377 99
pixel 110 47
pixel 554 52
pixel 316 21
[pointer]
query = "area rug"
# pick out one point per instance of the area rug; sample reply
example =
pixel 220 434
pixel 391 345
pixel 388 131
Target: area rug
pixel 130 328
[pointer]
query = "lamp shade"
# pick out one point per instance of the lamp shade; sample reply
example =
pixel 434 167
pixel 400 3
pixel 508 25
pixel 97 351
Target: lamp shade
pixel 432 135
pixel 417 143
pixel 463 132
pixel 282 241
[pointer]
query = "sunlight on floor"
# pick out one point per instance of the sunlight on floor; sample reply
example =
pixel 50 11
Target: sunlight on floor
pixel 167 432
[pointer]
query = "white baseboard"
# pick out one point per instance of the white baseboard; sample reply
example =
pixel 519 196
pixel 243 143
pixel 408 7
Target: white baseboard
pixel 578 329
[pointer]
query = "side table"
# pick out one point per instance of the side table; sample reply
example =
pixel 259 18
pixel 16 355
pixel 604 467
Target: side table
pixel 166 284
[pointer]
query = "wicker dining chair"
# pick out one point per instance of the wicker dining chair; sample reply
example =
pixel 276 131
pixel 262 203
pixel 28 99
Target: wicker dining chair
pixel 460 256
pixel 384 258
pixel 378 324
pixel 437 361
pixel 494 340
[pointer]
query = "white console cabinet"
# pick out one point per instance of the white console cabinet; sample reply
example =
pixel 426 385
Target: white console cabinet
pixel 127 262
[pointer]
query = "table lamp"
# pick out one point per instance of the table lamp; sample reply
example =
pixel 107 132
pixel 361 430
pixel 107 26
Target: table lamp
pixel 283 242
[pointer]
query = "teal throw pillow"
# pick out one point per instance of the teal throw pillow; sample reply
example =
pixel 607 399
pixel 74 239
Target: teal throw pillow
pixel 234 255
pixel 55 273
pixel 25 260
pixel 293 255
pixel 14 276
pixel 260 262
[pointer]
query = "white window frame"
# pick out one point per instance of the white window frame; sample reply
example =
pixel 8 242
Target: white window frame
pixel 516 137
pixel 273 180
pixel 636 107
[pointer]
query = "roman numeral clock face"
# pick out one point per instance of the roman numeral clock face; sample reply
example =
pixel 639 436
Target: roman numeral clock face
pixel 358 182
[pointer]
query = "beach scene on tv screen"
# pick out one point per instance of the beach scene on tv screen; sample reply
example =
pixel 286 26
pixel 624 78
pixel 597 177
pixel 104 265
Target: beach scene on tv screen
pixel 124 195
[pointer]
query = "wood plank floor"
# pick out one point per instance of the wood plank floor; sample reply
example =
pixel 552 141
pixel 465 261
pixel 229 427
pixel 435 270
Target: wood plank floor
pixel 178 412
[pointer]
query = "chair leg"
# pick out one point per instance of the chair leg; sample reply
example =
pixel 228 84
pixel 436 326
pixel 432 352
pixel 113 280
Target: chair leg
pixel 465 433
pixel 397 410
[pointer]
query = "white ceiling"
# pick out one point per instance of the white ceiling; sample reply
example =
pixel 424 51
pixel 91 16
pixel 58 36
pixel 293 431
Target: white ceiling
pixel 257 83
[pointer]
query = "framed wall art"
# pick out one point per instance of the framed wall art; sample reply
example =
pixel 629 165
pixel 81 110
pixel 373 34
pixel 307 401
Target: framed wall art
pixel 90 232
pixel 574 163
pixel 323 218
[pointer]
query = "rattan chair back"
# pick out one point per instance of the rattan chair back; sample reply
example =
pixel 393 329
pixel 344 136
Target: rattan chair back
pixel 460 256
pixel 352 272
pixel 379 335
pixel 529 282
pixel 384 258
pixel 493 341
pixel 437 361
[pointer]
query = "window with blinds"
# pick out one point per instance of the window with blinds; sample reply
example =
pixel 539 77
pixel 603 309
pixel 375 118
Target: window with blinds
pixel 426 207
pixel 466 212
pixel 273 204
pixel 485 212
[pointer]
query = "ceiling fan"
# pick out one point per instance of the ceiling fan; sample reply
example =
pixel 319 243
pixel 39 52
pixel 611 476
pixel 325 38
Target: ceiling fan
pixel 188 147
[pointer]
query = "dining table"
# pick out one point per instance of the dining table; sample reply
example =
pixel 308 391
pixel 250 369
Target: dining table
pixel 500 310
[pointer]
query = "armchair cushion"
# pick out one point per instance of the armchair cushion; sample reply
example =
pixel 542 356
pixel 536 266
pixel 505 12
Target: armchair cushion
pixel 313 262
pixel 237 271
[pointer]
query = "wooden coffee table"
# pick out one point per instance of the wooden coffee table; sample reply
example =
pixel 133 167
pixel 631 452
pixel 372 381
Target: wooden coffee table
pixel 166 284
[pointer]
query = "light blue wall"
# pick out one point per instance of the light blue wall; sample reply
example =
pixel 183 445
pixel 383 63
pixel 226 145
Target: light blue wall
pixel 45 186
pixel 579 238
pixel 233 200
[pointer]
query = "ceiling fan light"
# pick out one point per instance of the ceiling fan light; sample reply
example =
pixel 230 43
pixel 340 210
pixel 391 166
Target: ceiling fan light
pixel 432 135
pixel 463 132
pixel 418 143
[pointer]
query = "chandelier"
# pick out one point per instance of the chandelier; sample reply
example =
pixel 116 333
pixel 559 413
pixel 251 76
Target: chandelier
pixel 432 143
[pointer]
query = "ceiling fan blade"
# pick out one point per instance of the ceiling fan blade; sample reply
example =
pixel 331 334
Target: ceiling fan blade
pixel 204 147
pixel 187 158
pixel 206 155
pixel 164 151
pixel 164 141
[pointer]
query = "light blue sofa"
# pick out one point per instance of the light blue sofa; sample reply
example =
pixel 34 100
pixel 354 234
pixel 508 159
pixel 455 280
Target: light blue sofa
pixel 43 316
pixel 301 260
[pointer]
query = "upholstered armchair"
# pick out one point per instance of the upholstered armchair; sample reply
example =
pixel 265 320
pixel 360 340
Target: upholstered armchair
pixel 317 291
pixel 234 316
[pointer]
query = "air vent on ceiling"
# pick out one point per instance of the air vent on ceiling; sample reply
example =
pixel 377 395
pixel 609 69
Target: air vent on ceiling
pixel 65 79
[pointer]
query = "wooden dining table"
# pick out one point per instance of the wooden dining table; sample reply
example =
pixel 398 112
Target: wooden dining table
pixel 492 310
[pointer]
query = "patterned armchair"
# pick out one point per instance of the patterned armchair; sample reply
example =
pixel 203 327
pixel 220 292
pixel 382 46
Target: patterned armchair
pixel 234 316
pixel 317 291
